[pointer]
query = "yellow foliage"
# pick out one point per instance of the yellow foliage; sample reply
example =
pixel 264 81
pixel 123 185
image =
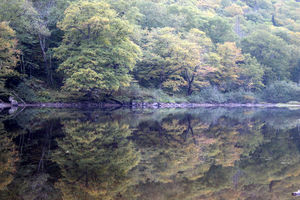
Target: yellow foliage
pixel 9 55
pixel 234 10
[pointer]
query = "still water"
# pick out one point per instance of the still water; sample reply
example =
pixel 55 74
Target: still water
pixel 166 154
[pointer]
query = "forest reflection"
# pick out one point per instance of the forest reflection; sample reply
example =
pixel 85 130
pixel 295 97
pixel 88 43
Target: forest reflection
pixel 150 154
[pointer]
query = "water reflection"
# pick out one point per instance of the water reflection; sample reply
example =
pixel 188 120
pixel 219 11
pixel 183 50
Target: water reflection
pixel 94 157
pixel 147 154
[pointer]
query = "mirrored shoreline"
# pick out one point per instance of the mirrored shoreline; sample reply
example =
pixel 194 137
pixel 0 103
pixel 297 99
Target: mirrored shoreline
pixel 215 153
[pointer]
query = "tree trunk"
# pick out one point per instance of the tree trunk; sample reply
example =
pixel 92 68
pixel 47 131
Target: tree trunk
pixel 160 81
pixel 42 39
pixel 189 90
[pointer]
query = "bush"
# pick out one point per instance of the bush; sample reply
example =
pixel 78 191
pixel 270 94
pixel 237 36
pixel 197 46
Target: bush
pixel 213 95
pixel 241 96
pixel 196 98
pixel 140 94
pixel 208 95
pixel 27 93
pixel 281 92
pixel 160 96
pixel 35 91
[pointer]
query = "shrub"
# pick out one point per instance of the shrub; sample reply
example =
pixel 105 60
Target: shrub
pixel 241 96
pixel 160 96
pixel 137 93
pixel 208 95
pixel 27 93
pixel 34 91
pixel 281 92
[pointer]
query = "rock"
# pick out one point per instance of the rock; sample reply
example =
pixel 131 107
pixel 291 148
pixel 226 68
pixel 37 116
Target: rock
pixel 13 102
pixel 12 110
pixel 296 193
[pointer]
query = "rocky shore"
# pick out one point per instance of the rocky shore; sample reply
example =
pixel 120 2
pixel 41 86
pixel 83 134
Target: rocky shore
pixel 145 105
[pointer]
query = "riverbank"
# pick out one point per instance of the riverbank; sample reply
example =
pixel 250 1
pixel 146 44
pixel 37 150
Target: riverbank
pixel 149 105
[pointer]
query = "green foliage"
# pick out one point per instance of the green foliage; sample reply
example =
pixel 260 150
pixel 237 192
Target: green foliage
pixel 281 91
pixel 171 62
pixel 251 74
pixel 34 90
pixel 24 19
pixel 135 93
pixel 96 43
pixel 153 14
pixel 9 55
pixel 241 96
pixel 227 75
pixel 160 96
pixel 91 49
pixel 160 65
pixel 272 52
pixel 219 30
pixel 208 95
pixel 196 60
pixel 213 95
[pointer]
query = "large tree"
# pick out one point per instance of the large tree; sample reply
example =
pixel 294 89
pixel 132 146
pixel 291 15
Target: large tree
pixel 196 58
pixel 96 52
pixel 173 60
pixel 161 64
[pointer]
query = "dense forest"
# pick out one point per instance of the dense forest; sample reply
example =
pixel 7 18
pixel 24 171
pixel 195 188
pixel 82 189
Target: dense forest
pixel 240 51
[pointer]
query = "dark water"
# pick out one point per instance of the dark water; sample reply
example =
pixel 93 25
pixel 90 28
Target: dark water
pixel 150 154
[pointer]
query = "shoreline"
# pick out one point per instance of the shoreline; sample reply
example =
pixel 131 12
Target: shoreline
pixel 149 105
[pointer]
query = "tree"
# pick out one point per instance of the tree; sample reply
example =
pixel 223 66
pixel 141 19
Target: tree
pixel 126 9
pixel 28 25
pixel 226 77
pixel 251 73
pixel 272 52
pixel 219 30
pixel 173 61
pixel 9 55
pixel 161 63
pixel 185 17
pixel 197 48
pixel 49 12
pixel 154 15
pixel 234 69
pixel 97 42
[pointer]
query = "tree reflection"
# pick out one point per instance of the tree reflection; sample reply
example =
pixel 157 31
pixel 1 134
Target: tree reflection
pixel 30 179
pixel 186 157
pixel 147 154
pixel 95 157
pixel 8 158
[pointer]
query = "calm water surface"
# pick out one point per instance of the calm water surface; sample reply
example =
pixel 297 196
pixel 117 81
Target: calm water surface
pixel 167 154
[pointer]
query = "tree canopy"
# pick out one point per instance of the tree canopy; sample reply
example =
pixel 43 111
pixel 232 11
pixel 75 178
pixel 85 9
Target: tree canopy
pixel 96 50
pixel 99 49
